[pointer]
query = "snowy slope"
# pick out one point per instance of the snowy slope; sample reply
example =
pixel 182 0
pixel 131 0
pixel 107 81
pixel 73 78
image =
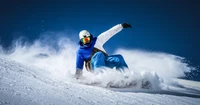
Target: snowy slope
pixel 189 84
pixel 28 85
pixel 39 74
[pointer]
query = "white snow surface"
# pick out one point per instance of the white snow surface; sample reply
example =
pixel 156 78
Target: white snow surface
pixel 26 85
pixel 40 75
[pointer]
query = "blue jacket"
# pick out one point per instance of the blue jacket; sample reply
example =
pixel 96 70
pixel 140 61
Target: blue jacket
pixel 84 51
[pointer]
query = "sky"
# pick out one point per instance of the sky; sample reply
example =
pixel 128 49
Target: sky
pixel 170 26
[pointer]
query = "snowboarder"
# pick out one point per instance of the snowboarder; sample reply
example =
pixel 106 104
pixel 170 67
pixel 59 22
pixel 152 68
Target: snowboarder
pixel 91 51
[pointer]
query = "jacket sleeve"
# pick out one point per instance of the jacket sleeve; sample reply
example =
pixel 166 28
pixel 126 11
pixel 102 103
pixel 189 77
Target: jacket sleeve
pixel 105 36
pixel 79 62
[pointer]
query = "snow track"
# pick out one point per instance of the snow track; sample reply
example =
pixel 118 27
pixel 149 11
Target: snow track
pixel 27 85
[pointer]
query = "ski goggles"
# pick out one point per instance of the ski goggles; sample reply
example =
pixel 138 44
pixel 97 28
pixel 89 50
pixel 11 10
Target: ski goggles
pixel 85 40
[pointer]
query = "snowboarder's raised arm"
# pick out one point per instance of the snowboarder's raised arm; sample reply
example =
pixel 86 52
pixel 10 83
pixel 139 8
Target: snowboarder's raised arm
pixel 105 36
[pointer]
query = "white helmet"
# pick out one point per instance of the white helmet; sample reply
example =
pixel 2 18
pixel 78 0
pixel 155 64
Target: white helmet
pixel 84 33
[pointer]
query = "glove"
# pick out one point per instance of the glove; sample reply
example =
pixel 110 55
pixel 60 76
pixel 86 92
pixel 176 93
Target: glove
pixel 78 74
pixel 126 25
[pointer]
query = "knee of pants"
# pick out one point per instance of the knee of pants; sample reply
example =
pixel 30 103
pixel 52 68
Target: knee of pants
pixel 98 54
pixel 98 60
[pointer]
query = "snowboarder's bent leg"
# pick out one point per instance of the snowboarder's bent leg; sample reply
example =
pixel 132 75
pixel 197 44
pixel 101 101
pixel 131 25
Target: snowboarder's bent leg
pixel 98 60
pixel 116 61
